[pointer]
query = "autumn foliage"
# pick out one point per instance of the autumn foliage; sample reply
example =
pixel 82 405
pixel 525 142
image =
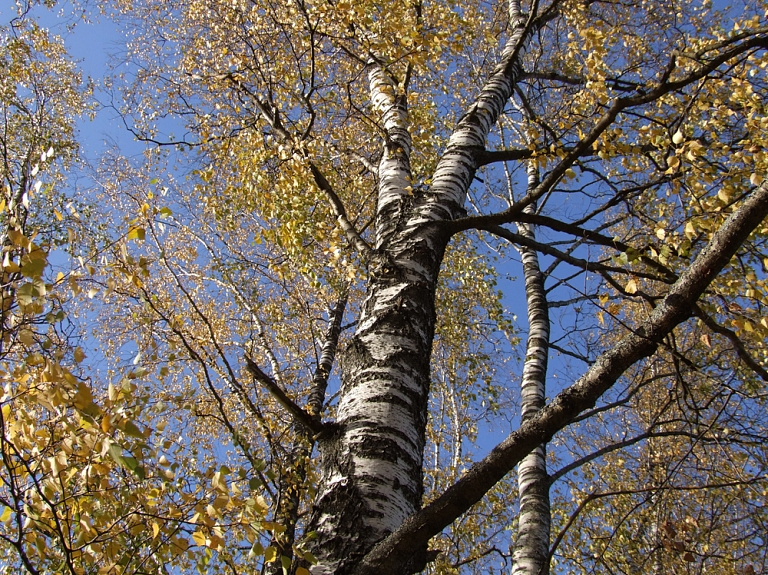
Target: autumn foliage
pixel 286 336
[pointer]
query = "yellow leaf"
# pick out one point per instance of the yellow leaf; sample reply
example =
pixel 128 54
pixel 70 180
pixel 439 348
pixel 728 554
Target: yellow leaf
pixel 155 529
pixel 57 214
pixel 198 538
pixel 136 233
pixel 18 239
pixel 301 571
pixel 270 554
pixel 273 526
pixel 631 286
pixel 6 515
pixel 9 265
pixel 678 138
pixel 673 162
pixel 79 355
pixel 35 359
pixel 26 336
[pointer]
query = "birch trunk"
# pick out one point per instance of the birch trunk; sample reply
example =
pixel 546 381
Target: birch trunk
pixel 371 457
pixel 531 554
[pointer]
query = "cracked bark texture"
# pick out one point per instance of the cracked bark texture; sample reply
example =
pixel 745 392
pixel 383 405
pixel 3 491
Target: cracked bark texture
pixel 367 516
pixel 371 458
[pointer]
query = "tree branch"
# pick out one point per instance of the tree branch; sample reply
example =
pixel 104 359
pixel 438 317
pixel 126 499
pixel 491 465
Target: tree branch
pixel 618 106
pixel 485 157
pixel 327 357
pixel 341 213
pixel 738 345
pixel 521 240
pixel 282 398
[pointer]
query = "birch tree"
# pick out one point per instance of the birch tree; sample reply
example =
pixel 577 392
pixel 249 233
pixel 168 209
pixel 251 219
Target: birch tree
pixel 312 252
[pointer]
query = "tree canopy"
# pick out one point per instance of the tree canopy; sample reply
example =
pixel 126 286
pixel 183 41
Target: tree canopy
pixel 291 335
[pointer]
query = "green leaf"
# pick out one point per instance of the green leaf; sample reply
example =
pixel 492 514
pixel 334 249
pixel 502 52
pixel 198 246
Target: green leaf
pixel 138 372
pixel 116 453
pixel 257 549
pixel 29 292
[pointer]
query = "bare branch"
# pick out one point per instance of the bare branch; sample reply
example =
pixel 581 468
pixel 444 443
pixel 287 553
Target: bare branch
pixel 282 398
pixel 738 345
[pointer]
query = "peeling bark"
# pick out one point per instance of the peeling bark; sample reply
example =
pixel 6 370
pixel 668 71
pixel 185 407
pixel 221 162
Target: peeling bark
pixel 371 460
pixel 372 456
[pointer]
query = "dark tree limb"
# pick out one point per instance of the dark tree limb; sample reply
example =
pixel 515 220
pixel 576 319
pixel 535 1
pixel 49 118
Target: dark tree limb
pixel 282 398
pixel 738 345
pixel 518 239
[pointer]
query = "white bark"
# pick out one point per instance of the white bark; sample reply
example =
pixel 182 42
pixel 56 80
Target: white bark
pixel 394 167
pixel 372 456
pixel 457 165
pixel 531 554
